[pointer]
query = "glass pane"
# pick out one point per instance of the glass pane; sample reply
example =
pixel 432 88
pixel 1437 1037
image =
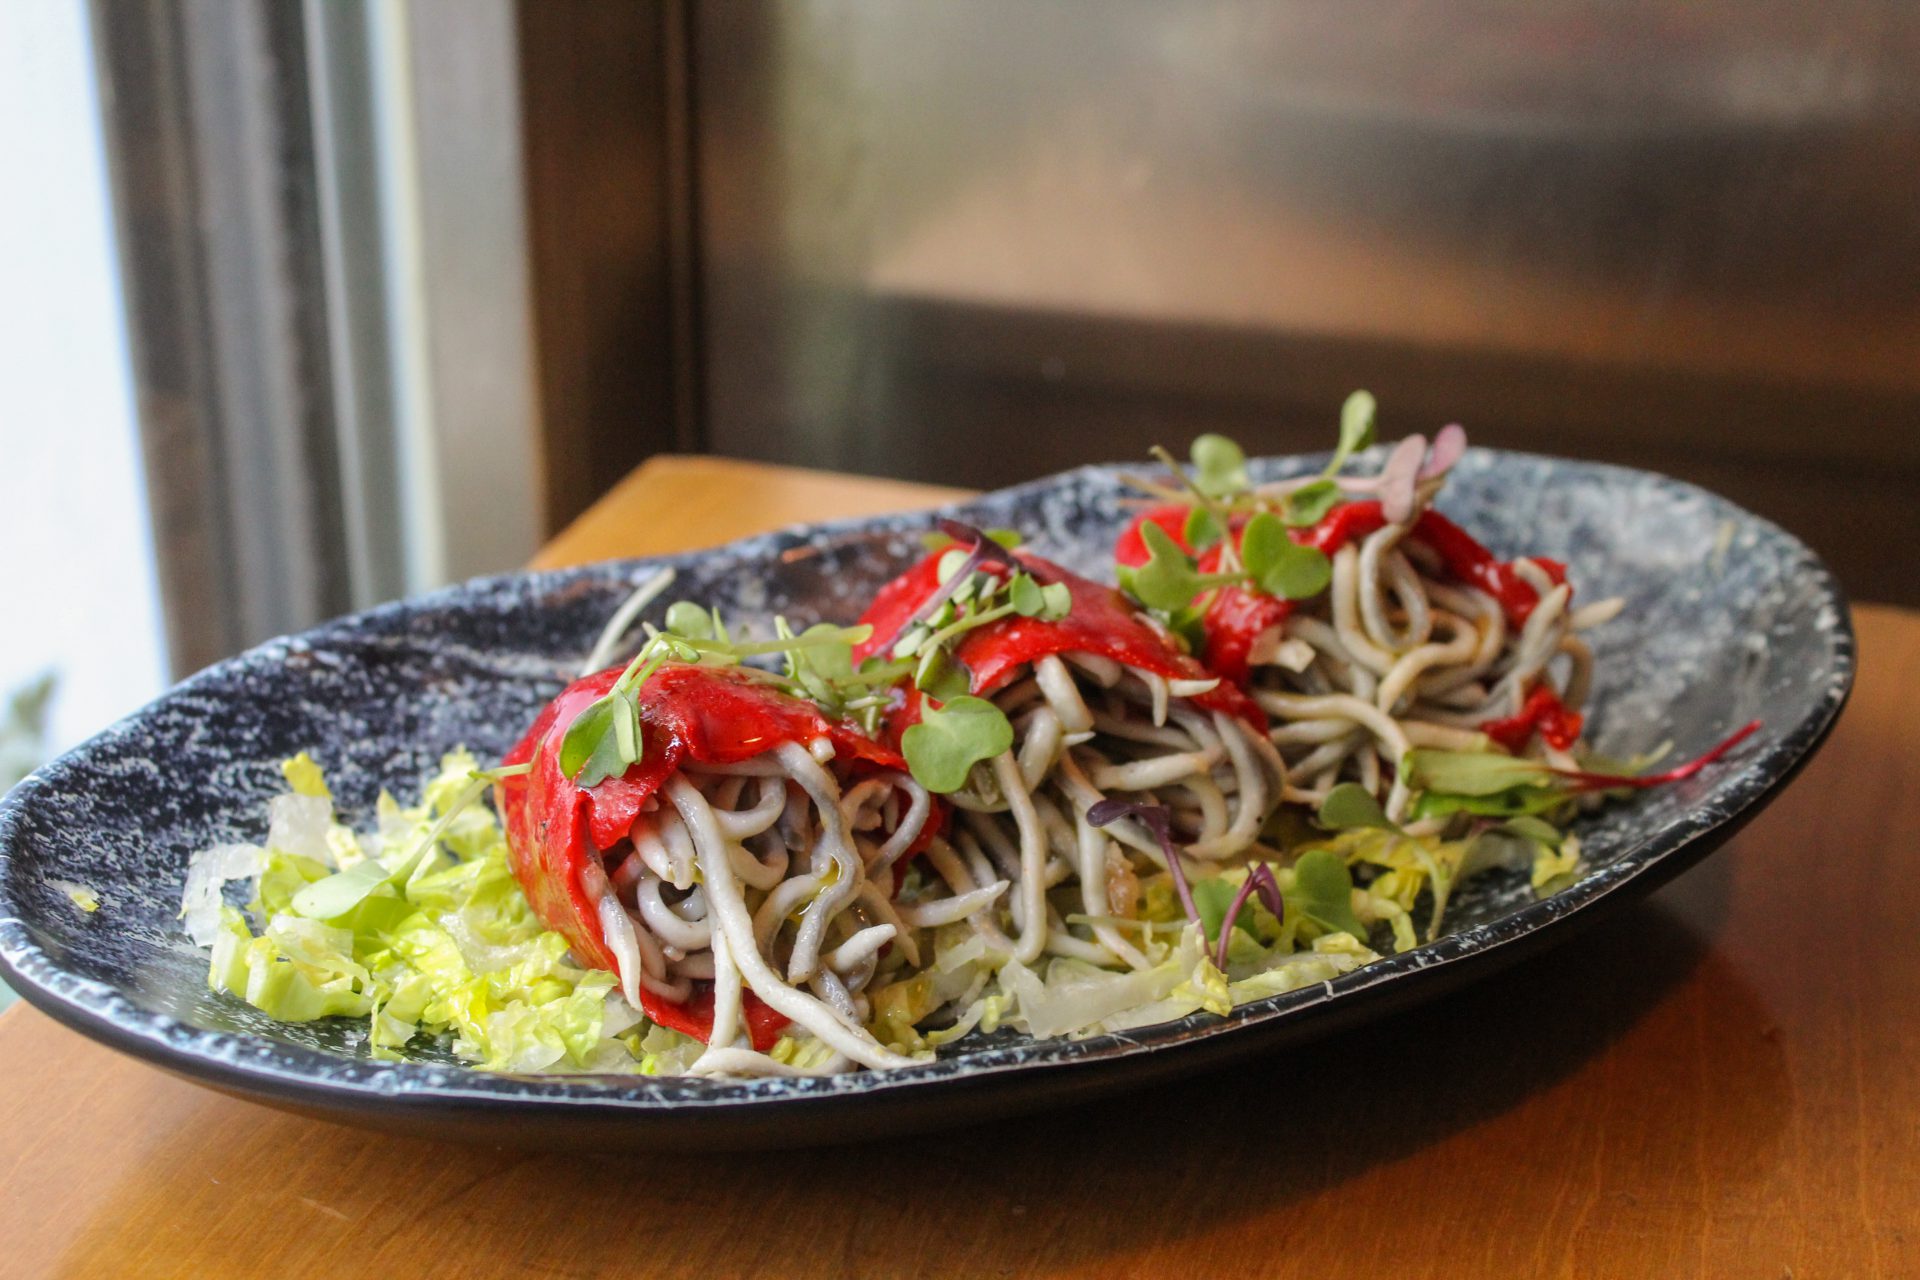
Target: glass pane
pixel 74 534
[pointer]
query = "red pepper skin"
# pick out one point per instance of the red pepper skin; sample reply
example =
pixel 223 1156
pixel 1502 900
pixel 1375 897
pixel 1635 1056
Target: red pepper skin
pixel 556 832
pixel 1101 621
pixel 1236 617
pixel 1473 564
pixel 1543 712
pixel 695 1017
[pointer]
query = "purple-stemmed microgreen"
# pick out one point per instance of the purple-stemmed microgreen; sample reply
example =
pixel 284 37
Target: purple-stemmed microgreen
pixel 1259 880
pixel 1159 823
pixel 1494 785
pixel 957 580
pixel 1269 890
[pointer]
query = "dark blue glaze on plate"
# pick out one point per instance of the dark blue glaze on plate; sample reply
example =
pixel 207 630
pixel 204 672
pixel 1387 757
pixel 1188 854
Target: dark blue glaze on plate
pixel 1729 619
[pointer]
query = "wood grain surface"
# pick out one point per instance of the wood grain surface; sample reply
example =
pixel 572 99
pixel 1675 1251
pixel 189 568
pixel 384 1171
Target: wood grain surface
pixel 1722 1081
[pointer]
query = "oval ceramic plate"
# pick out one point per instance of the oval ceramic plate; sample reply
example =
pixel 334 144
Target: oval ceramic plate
pixel 1728 619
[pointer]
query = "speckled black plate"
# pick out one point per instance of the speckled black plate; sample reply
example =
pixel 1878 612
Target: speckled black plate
pixel 1729 619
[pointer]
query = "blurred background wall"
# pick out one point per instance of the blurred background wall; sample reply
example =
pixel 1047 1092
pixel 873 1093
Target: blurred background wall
pixel 977 242
pixel 311 303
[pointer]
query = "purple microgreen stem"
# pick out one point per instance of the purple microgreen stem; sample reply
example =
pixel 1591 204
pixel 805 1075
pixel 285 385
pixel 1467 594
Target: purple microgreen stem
pixel 942 593
pixel 1607 781
pixel 989 551
pixel 1269 890
pixel 1227 921
pixel 1156 819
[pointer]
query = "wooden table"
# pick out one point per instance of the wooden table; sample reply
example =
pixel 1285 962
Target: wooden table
pixel 1724 1081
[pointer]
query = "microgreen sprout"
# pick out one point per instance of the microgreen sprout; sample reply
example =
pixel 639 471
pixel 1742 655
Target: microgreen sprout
pixel 607 647
pixel 951 738
pixel 1259 880
pixel 1359 416
pixel 1323 892
pixel 1480 774
pixel 1159 823
pixel 1269 561
pixel 1350 807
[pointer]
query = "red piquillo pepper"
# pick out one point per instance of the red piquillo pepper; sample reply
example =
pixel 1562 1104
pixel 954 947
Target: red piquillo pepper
pixel 1101 621
pixel 1543 711
pixel 558 833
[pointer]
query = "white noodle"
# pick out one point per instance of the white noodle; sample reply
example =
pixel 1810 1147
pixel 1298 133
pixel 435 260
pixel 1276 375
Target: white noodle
pixel 730 912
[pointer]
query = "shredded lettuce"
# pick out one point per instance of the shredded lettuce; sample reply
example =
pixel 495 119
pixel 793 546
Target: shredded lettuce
pixel 800 1052
pixel 1554 869
pixel 305 777
pixel 209 870
pixel 663 1052
pixel 420 928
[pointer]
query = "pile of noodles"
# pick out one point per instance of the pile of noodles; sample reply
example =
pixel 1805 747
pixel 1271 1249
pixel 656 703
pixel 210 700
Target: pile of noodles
pixel 1397 655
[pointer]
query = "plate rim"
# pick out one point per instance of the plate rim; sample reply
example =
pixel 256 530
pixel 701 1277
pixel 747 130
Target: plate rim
pixel 295 1075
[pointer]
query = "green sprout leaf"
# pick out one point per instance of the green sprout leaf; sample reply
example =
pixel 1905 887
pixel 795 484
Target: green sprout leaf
pixel 1350 806
pixel 1025 593
pixel 1202 529
pixel 822 665
pixel 1056 601
pixel 685 618
pixel 602 742
pixel 1280 566
pixel 950 564
pixel 1501 804
pixel 1308 506
pixel 1211 898
pixel 941 677
pixel 1357 419
pixel 1167 580
pixel 1190 625
pixel 1473 773
pixel 910 641
pixel 1219 465
pixel 1323 893
pixel 827 649
pixel 949 740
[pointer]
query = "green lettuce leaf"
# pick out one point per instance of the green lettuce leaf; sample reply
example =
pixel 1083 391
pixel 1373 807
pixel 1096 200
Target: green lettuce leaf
pixel 1322 891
